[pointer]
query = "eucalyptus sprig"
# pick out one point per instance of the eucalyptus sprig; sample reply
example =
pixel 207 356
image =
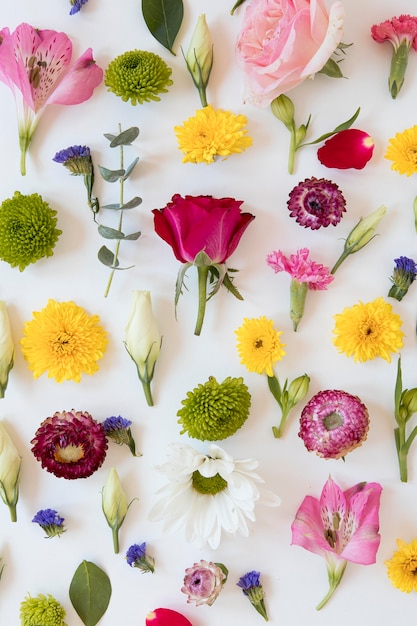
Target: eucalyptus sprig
pixel 283 109
pixel 106 256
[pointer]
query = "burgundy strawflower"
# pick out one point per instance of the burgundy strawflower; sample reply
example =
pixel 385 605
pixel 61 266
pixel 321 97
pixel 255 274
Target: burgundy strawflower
pixel 347 149
pixel 316 202
pixel 333 423
pixel 70 444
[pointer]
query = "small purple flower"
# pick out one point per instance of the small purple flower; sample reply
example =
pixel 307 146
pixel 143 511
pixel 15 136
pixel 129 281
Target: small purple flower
pixel 316 202
pixel 251 586
pixel 136 557
pixel 203 582
pixel 50 522
pixel 118 429
pixel 77 159
pixel 403 276
pixel 76 6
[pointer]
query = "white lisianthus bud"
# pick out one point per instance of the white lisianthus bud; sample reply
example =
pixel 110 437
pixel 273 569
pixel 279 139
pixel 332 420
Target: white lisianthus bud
pixel 6 348
pixel 143 340
pixel 115 504
pixel 199 58
pixel 10 462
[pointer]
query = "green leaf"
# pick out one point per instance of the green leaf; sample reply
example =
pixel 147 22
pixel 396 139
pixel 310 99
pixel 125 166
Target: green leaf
pixel 129 170
pixel 111 176
pixel 132 236
pixel 110 233
pixel 136 201
pixel 332 69
pixel 90 592
pixel 125 138
pixel 109 136
pixel 236 5
pixel 107 257
pixel 163 19
pixel 343 126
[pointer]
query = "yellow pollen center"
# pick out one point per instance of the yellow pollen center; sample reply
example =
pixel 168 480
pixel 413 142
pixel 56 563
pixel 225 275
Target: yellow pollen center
pixel 69 454
pixel 258 343
pixel 62 343
pixel 412 154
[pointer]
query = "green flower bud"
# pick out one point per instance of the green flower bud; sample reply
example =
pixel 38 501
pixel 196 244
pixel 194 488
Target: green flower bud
pixel 409 401
pixel 6 348
pixel 10 462
pixel 199 58
pixel 283 109
pixel 364 230
pixel 298 389
pixel 115 504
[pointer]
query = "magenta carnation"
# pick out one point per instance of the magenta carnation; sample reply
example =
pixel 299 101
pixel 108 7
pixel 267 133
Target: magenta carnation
pixel 316 202
pixel 333 423
pixel 301 268
pixel 70 444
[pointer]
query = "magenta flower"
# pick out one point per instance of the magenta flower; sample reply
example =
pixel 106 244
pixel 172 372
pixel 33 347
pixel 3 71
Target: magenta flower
pixel 401 32
pixel 341 526
pixel 351 148
pixel 316 202
pixel 36 64
pixel 333 423
pixel 305 274
pixel 203 582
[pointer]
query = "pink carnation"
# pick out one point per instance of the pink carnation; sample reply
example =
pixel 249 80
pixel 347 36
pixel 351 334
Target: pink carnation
pixel 283 42
pixel 301 268
pixel 397 30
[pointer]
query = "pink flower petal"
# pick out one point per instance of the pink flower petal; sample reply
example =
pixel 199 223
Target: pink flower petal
pixel 347 149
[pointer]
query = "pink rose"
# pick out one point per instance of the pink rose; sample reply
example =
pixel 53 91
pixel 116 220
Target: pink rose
pixel 283 42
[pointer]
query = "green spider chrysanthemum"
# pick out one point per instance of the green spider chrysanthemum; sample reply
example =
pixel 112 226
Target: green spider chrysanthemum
pixel 214 411
pixel 138 76
pixel 27 230
pixel 42 611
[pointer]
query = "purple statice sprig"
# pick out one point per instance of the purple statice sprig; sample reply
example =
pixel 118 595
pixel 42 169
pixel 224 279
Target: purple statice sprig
pixel 137 556
pixel 118 429
pixel 78 160
pixel 76 6
pixel 252 588
pixel 50 522
pixel 404 274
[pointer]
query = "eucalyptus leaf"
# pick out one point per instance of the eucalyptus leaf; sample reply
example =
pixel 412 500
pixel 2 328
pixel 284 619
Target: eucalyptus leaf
pixel 107 257
pixel 132 236
pixel 163 19
pixel 136 201
pixel 112 207
pixel 109 136
pixel 125 138
pixel 110 233
pixel 90 592
pixel 111 176
pixel 129 169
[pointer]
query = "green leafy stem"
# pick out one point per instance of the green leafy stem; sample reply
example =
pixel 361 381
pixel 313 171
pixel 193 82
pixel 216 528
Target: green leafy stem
pixel 105 255
pixel 405 407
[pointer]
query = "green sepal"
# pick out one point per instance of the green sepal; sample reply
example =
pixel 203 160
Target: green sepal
pixel 163 19
pixel 90 592
pixel 398 393
pixel 179 284
pixel 332 69
pixel 224 570
pixel 125 138
pixel 236 5
pixel 111 176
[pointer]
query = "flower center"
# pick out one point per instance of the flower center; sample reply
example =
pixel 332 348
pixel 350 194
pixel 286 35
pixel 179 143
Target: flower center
pixel 63 343
pixel 69 454
pixel 208 486
pixel 332 420
pixel 258 343
pixel 412 154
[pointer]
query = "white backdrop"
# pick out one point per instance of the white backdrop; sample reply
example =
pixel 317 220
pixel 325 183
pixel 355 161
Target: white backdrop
pixel 294 580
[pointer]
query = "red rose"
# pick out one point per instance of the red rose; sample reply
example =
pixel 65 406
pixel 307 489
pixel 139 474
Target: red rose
pixel 195 223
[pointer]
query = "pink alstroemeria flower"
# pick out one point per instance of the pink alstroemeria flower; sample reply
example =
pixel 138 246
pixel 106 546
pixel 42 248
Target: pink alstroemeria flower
pixel 351 148
pixel 401 32
pixel 35 64
pixel 341 526
pixel 305 273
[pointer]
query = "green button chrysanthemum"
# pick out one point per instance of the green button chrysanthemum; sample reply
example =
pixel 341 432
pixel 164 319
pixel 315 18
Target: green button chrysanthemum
pixel 42 611
pixel 214 411
pixel 138 76
pixel 27 230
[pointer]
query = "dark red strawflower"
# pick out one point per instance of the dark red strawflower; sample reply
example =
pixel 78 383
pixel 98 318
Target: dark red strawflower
pixel 70 444
pixel 348 149
pixel 316 202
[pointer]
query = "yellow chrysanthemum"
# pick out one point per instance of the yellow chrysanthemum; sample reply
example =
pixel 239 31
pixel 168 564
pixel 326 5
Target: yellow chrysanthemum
pixel 368 330
pixel 259 345
pixel 212 133
pixel 402 567
pixel 63 340
pixel 402 150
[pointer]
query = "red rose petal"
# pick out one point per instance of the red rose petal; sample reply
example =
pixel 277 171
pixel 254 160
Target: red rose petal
pixel 166 617
pixel 347 149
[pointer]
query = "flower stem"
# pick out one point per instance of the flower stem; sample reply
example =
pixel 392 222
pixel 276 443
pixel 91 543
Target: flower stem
pixel 115 534
pixel 335 575
pixel 278 431
pixel 292 151
pixel 146 384
pixel 339 262
pixel 202 297
pixel 13 514
pixel 203 96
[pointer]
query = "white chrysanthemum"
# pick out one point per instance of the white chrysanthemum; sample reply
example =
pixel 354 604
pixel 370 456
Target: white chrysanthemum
pixel 208 493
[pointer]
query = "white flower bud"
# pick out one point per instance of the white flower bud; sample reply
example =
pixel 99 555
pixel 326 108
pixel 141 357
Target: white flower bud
pixel 6 348
pixel 199 57
pixel 10 462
